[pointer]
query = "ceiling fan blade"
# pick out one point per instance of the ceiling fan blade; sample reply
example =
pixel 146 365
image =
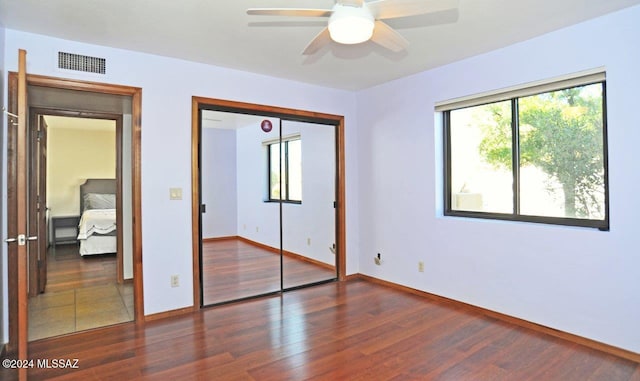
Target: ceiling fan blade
pixel 302 12
pixel 351 3
pixel 321 39
pixel 389 9
pixel 388 37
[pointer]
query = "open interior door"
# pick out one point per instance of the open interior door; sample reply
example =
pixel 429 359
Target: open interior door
pixel 43 211
pixel 37 204
pixel 17 213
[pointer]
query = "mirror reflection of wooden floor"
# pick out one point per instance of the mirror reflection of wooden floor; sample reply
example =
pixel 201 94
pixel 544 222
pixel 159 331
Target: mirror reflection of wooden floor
pixel 235 269
pixel 81 293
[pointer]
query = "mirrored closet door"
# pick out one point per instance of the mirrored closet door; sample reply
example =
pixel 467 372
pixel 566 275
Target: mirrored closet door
pixel 308 194
pixel 267 192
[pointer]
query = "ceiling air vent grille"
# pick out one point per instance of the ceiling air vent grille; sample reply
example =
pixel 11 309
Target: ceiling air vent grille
pixel 79 62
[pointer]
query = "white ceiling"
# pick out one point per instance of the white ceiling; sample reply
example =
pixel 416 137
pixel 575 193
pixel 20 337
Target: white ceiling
pixel 222 34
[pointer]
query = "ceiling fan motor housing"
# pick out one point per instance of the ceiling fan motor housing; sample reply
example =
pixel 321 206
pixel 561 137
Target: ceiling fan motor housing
pixel 351 25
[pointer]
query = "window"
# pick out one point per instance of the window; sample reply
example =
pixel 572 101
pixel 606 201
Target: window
pixel 285 170
pixel 536 154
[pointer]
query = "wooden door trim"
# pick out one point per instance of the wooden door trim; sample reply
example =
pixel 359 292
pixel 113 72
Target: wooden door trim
pixel 250 108
pixel 136 133
pixel 136 157
pixel 74 84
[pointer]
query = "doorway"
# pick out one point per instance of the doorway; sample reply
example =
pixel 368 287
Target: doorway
pixel 269 207
pixel 87 264
pixel 80 98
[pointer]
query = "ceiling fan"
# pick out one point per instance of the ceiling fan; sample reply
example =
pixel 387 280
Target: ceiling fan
pixel 357 21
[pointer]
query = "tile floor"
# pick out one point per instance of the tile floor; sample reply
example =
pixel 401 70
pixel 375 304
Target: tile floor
pixel 62 312
pixel 79 307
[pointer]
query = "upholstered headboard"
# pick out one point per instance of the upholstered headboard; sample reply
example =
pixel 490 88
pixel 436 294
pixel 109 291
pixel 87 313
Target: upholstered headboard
pixel 102 186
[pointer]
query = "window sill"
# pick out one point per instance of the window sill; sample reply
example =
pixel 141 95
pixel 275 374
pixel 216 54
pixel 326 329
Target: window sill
pixel 284 202
pixel 602 225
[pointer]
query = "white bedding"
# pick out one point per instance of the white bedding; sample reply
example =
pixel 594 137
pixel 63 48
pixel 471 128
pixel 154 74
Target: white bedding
pixel 98 221
pixel 94 223
pixel 98 244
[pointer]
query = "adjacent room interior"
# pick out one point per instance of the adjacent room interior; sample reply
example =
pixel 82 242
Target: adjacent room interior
pixel 82 289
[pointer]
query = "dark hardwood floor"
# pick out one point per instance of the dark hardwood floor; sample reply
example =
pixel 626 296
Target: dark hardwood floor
pixel 67 269
pixel 234 269
pixel 354 330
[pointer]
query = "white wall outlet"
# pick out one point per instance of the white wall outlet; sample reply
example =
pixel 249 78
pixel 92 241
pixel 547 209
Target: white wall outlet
pixel 308 241
pixel 421 266
pixel 257 229
pixel 175 281
pixel 377 259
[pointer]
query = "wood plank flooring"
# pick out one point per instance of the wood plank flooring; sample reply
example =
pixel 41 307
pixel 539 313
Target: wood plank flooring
pixel 67 269
pixel 234 269
pixel 355 330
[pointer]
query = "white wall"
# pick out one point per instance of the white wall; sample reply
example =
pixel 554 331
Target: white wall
pixel 219 190
pixel 167 87
pixel 578 280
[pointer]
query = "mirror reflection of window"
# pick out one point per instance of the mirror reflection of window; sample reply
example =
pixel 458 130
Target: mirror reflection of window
pixel 285 170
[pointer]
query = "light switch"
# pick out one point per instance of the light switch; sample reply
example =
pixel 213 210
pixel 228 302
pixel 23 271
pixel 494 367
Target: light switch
pixel 175 193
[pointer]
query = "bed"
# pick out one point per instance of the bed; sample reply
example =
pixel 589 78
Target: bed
pixel 97 229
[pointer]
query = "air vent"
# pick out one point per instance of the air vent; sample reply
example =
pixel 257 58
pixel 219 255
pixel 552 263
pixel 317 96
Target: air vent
pixel 79 62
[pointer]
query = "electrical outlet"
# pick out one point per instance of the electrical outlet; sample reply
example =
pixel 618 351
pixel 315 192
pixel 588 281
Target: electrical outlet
pixel 257 229
pixel 308 241
pixel 421 266
pixel 377 259
pixel 175 281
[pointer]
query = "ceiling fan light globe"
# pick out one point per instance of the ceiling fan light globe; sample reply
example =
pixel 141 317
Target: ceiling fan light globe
pixel 351 25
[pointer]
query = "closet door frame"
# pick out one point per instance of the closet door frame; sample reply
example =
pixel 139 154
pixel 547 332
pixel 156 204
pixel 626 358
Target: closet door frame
pixel 197 105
